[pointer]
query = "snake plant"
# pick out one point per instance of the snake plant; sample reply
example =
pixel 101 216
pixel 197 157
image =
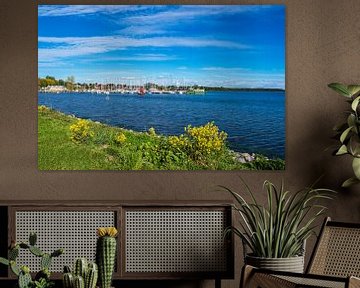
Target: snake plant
pixel 280 228
pixel 349 131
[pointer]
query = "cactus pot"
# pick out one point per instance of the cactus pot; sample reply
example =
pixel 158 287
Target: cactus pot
pixel 291 264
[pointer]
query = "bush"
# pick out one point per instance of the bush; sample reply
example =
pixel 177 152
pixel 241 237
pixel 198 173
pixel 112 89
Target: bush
pixel 160 155
pixel 179 143
pixel 200 142
pixel 43 108
pixel 263 163
pixel 81 131
pixel 120 138
pixel 152 131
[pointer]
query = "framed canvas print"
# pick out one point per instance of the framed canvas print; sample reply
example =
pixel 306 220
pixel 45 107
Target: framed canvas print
pixel 161 87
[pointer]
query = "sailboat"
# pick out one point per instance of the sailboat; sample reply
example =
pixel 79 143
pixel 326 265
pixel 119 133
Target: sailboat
pixel 141 91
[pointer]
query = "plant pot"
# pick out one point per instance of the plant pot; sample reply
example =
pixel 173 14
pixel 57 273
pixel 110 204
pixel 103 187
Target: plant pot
pixel 291 264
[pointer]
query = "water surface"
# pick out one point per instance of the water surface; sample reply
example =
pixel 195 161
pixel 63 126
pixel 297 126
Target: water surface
pixel 254 121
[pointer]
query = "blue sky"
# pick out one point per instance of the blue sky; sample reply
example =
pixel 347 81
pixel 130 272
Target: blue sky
pixel 212 45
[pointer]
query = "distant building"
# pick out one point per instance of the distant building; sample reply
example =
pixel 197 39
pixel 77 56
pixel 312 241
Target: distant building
pixel 55 89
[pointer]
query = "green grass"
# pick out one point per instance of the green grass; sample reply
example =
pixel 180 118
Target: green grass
pixel 140 151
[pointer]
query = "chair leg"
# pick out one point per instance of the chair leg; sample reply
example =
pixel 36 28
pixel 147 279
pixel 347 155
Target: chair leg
pixel 246 274
pixel 250 278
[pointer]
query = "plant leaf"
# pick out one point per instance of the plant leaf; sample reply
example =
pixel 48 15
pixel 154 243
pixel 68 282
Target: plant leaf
pixel 340 88
pixel 354 144
pixel 342 150
pixel 356 167
pixel 345 134
pixel 279 228
pixel 4 261
pixel 355 103
pixel 353 89
pixel 351 120
pixel 349 182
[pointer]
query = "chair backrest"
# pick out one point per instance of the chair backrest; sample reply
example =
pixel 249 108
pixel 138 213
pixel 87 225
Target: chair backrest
pixel 337 251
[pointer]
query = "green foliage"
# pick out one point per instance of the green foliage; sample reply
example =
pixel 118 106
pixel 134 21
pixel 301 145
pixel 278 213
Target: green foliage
pixel 42 278
pixel 14 268
pixel 199 148
pixel 43 283
pixel 44 273
pixel 85 274
pixel 262 163
pixel 152 131
pixel 36 251
pixel 4 261
pixel 279 229
pixel 161 155
pixel 349 131
pixel 120 138
pixel 81 131
pixel 24 280
pixel 43 108
pixel 57 252
pixel 13 253
pixel 200 142
pixel 45 261
pixel 47 81
pixel 70 82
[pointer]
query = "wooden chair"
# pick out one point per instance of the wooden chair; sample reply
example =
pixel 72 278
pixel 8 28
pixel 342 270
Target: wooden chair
pixel 335 262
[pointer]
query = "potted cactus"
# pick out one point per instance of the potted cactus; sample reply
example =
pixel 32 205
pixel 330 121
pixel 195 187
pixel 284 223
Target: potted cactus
pixel 84 275
pixel 106 254
pixel 42 278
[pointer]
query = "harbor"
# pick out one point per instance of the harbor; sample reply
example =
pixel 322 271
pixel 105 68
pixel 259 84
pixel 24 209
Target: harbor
pixel 51 85
pixel 133 90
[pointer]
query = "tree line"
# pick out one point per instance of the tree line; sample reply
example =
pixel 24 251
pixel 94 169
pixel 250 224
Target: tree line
pixel 69 83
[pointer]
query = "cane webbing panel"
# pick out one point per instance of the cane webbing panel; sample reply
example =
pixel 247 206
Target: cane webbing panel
pixel 338 252
pixel 175 241
pixel 313 282
pixel 260 280
pixel 75 231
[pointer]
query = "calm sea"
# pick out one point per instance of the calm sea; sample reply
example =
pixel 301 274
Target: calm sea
pixel 254 121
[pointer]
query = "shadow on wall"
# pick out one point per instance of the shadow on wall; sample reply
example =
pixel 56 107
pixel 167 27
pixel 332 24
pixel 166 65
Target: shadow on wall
pixel 333 170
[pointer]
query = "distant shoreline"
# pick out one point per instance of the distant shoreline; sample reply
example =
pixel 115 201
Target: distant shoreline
pixel 244 89
pixel 207 89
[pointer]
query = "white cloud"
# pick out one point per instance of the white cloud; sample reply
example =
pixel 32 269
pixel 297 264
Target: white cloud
pixel 161 22
pixel 142 30
pixel 138 57
pixel 80 46
pixel 223 69
pixel 70 10
pixel 191 12
pixel 181 12
pixel 118 42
